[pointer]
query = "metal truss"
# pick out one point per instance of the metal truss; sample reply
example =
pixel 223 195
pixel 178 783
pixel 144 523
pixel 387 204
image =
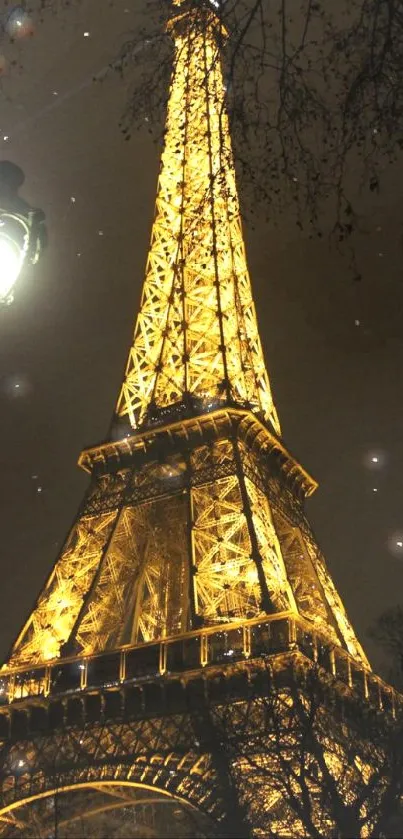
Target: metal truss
pixel 208 739
pixel 157 736
pixel 202 534
pixel 59 603
pixel 90 812
pixel 99 809
pixel 153 753
pixel 192 537
pixel 196 335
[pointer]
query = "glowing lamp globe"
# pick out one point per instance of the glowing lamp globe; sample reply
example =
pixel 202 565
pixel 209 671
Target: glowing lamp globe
pixel 22 230
pixel 12 256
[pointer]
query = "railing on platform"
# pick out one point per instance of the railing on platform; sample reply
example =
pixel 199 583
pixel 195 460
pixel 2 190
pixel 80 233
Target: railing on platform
pixel 209 646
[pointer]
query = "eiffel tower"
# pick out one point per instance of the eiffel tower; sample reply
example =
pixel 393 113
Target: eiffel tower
pixel 190 564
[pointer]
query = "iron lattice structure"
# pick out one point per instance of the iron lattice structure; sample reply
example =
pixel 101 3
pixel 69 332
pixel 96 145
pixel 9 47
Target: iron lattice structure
pixel 191 556
pixel 196 340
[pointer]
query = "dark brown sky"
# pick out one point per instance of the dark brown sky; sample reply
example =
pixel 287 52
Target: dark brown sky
pixel 338 387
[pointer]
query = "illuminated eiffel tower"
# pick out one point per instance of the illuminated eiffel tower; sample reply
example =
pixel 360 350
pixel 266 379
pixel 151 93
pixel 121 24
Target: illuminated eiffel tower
pixel 190 564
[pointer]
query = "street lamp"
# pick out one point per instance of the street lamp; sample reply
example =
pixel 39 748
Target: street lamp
pixel 22 230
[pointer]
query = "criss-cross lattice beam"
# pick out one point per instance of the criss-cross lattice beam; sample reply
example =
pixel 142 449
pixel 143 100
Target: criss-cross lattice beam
pixel 196 335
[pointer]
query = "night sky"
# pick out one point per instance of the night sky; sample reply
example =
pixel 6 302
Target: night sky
pixel 334 348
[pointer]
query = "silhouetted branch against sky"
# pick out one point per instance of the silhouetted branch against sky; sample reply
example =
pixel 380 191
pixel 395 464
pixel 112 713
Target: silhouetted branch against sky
pixel 387 631
pixel 314 93
pixel 333 765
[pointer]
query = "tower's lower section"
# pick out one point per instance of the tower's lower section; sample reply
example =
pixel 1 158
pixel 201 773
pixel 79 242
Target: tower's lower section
pixel 109 810
pixel 169 652
pixel 189 525
pixel 216 743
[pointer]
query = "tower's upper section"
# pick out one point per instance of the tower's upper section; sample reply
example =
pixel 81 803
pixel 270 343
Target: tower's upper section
pixel 196 343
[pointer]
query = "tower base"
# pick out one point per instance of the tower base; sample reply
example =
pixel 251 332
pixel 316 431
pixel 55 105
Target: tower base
pixel 206 743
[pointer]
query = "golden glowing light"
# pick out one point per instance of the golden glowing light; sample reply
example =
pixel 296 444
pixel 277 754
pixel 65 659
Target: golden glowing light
pixel 191 540
pixel 196 335
pixel 196 533
pixel 11 260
